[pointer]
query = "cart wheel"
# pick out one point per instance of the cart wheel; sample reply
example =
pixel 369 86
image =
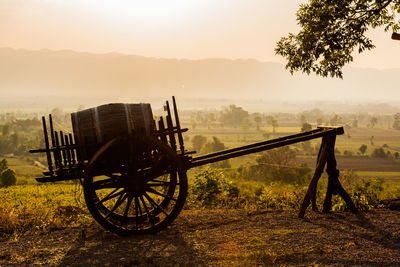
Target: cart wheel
pixel 135 185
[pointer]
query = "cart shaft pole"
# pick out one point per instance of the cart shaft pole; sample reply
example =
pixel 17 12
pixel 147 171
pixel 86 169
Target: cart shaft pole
pixel 265 145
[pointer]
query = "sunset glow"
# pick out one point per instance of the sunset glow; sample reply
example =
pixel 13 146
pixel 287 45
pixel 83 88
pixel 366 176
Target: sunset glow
pixel 149 12
pixel 192 29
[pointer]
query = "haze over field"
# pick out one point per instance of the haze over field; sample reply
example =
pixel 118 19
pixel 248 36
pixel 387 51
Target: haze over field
pixel 50 75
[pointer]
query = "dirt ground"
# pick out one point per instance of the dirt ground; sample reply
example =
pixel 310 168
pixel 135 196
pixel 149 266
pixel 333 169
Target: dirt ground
pixel 223 238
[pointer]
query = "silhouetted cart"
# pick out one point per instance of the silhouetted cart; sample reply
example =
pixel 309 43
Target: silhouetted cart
pixel 133 170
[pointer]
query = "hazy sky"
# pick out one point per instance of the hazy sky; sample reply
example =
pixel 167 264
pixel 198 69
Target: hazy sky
pixel 165 28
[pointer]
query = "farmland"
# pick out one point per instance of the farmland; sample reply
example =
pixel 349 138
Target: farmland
pixel 56 210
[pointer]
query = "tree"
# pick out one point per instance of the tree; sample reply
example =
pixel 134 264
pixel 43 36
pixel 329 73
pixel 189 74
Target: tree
pixel 8 178
pixel 335 120
pixel 373 122
pixel 257 119
pixel 396 123
pixel 306 127
pixel 5 129
pixel 214 146
pixel 379 153
pixel 234 116
pixel 363 149
pixel 3 165
pixel 273 122
pixel 283 156
pixel 330 31
pixel 57 113
pixel 280 165
pixel 303 119
pixel 198 142
pixel 15 140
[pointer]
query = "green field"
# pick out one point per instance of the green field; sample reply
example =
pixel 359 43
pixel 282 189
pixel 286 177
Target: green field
pixel 26 169
pixel 236 137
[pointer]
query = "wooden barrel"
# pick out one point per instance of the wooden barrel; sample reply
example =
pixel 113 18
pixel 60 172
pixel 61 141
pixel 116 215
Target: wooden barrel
pixel 95 126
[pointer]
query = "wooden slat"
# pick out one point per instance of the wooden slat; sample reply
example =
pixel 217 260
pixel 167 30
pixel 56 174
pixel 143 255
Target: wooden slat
pixel 46 141
pixel 170 126
pixel 68 150
pixel 71 142
pixel 53 141
pixel 163 133
pixel 63 150
pixel 57 152
pixel 178 126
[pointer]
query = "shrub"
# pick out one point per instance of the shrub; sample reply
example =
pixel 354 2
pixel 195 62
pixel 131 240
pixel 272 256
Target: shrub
pixel 347 153
pixel 198 142
pixel 8 178
pixel 379 153
pixel 279 196
pixel 209 186
pixel 366 195
pixel 306 127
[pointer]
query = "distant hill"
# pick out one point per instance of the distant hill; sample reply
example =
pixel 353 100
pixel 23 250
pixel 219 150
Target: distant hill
pixel 73 74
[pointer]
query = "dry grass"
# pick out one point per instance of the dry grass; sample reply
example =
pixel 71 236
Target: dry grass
pixel 224 238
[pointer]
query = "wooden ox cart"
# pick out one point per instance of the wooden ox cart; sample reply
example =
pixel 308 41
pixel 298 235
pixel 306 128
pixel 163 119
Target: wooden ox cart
pixel 133 169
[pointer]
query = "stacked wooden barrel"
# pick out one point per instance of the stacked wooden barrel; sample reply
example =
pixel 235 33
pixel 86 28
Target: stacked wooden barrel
pixel 95 126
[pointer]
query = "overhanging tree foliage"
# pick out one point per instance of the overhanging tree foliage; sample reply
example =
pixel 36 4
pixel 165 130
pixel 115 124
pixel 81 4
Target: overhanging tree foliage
pixel 332 30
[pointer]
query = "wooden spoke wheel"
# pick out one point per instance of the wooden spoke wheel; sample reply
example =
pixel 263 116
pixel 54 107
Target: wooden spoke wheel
pixel 135 185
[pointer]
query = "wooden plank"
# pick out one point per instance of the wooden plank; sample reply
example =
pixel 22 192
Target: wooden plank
pixel 170 126
pixel 163 133
pixel 178 126
pixel 63 150
pixel 71 141
pixel 53 141
pixel 57 152
pixel 68 149
pixel 46 141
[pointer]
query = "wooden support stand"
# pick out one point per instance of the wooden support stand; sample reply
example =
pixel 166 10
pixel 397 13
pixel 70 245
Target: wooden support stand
pixel 326 156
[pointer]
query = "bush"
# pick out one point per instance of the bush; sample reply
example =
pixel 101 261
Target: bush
pixel 366 194
pixel 208 187
pixel 279 196
pixel 8 178
pixel 347 153
pixel 198 142
pixel 306 127
pixel 379 153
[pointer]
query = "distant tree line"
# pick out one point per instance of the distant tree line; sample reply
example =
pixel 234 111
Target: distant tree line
pixel 18 136
pixel 234 116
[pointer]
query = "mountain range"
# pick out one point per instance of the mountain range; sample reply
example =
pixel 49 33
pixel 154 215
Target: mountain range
pixel 62 74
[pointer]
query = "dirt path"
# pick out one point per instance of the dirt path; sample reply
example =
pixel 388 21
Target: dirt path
pixel 223 237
